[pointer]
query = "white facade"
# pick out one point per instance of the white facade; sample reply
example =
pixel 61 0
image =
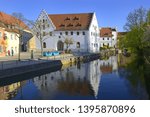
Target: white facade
pixel 110 41
pixel 83 40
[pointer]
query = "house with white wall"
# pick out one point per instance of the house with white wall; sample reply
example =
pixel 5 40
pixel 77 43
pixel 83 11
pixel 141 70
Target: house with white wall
pixel 81 28
pixel 108 37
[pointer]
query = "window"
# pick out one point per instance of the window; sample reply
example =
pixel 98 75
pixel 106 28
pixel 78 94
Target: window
pixel 11 36
pixel 103 38
pixel 108 38
pixel 66 33
pixel 44 33
pixel 71 33
pixel 60 33
pixel 0 34
pixel 83 33
pixel 43 20
pixel 78 33
pixel 16 49
pixel 59 36
pixel 0 48
pixel 50 33
pixel 78 44
pixel 43 27
pixel 44 44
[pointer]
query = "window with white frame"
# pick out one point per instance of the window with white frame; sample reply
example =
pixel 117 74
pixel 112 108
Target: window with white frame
pixel 0 34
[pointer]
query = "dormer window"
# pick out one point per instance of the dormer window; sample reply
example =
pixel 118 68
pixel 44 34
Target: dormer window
pixel 67 18
pixel 78 25
pixel 75 18
pixel 70 25
pixel 62 25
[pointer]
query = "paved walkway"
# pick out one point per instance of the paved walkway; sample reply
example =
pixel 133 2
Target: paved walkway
pixel 23 55
pixel 12 61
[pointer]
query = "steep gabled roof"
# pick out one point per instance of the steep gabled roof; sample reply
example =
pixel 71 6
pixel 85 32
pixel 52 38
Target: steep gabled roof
pixel 71 21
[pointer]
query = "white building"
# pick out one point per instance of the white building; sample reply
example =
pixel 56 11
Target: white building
pixel 108 37
pixel 82 28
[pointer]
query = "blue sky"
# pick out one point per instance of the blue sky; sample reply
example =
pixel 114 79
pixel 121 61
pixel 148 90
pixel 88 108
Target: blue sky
pixel 111 13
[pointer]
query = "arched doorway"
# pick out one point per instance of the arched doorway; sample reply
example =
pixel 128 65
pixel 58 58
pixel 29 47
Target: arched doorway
pixel 60 46
pixel 78 44
pixel 44 44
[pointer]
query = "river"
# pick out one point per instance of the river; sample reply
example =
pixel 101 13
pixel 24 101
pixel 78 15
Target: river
pixel 95 80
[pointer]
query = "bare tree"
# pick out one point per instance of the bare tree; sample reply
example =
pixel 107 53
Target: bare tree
pixel 68 42
pixel 20 26
pixel 37 29
pixel 135 19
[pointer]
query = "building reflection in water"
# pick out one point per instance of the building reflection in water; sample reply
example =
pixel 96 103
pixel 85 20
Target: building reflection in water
pixel 81 79
pixel 99 79
pixel 10 91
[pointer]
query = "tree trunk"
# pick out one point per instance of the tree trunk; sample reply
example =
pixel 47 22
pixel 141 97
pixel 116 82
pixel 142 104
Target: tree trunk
pixel 41 48
pixel 19 49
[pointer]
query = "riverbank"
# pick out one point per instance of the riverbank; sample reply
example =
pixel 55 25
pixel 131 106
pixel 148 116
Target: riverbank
pixel 12 68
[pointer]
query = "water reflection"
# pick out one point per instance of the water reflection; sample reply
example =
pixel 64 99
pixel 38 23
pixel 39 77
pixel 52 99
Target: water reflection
pixel 112 78
pixel 77 80
pixel 10 91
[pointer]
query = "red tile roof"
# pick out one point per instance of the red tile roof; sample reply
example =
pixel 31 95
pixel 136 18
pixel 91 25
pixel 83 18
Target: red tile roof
pixel 106 69
pixel 11 20
pixel 72 21
pixel 106 32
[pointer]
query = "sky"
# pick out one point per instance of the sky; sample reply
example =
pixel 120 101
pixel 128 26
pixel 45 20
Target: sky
pixel 110 13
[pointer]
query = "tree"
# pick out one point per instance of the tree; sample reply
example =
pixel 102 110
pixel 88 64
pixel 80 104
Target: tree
pixel 18 22
pixel 68 42
pixel 138 36
pixel 37 29
pixel 136 18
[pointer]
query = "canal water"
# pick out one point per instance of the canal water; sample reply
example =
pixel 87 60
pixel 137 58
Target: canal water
pixel 96 80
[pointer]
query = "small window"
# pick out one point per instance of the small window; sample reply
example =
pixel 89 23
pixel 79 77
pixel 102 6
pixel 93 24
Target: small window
pixel 66 33
pixel 78 33
pixel 103 38
pixel 0 48
pixel 44 44
pixel 67 18
pixel 16 49
pixel 43 27
pixel 107 38
pixel 43 21
pixel 60 33
pixel 83 33
pixel 71 33
pixel 59 36
pixel 50 33
pixel 0 34
pixel 44 33
pixel 11 36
